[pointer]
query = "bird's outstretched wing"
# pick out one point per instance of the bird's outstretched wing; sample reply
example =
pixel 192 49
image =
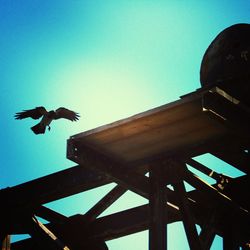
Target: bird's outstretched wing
pixel 67 114
pixel 35 113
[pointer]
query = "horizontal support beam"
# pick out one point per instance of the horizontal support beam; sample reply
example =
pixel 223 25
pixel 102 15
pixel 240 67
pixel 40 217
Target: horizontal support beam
pixel 52 187
pixel 101 163
pixel 50 215
pixel 236 157
pixel 108 227
pixel 130 221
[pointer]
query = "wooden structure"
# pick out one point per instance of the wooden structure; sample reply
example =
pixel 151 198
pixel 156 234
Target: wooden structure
pixel 161 142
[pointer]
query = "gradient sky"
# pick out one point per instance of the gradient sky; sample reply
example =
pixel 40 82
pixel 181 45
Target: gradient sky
pixel 106 60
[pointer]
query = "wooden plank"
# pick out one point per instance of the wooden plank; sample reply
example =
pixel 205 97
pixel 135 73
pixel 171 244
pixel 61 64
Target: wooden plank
pixel 161 140
pixel 157 204
pixel 143 121
pixel 165 128
pixel 240 185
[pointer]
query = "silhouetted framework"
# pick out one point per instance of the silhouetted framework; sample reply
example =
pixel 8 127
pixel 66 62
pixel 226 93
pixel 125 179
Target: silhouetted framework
pixel 160 142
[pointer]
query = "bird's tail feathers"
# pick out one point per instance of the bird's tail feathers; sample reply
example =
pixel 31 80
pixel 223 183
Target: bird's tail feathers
pixel 38 129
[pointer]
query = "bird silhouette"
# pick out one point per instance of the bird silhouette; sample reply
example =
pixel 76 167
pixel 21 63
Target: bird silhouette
pixel 47 117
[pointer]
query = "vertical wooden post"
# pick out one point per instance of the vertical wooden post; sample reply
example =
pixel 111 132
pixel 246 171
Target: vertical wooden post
pixel 188 219
pixel 157 204
pixel 229 242
pixel 207 233
pixel 5 244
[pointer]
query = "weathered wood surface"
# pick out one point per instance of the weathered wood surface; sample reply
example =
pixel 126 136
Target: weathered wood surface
pixel 157 204
pixel 169 127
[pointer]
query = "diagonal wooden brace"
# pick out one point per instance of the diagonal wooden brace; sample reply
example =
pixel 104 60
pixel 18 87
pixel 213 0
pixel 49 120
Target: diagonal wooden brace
pixel 46 238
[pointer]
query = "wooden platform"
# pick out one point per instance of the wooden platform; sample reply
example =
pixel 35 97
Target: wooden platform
pixel 179 125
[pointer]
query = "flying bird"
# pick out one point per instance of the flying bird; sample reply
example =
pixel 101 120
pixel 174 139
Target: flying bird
pixel 47 117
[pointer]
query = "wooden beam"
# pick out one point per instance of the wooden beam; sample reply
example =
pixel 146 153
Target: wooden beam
pixel 204 169
pixel 209 190
pixel 51 187
pixel 208 228
pixel 108 167
pixel 187 216
pixel 125 177
pixel 50 215
pixel 109 227
pixel 5 243
pixel 208 239
pixel 157 204
pixel 129 221
pixel 207 236
pixel 44 237
pixel 229 242
pixel 184 204
pixel 236 157
pixel 137 219
pixel 119 173
pixel 233 115
pixel 241 217
pixel 105 202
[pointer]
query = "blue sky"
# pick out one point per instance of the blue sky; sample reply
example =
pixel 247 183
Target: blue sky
pixel 106 60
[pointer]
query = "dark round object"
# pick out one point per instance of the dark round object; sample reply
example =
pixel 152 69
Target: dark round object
pixel 226 62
